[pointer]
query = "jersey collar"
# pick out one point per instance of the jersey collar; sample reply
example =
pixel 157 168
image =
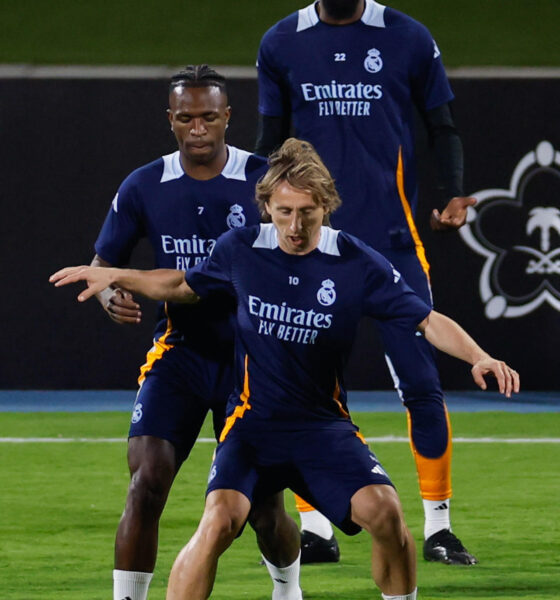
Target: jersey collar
pixel 268 239
pixel 373 15
pixel 233 169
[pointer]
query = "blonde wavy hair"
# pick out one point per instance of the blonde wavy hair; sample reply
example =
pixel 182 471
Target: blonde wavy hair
pixel 298 163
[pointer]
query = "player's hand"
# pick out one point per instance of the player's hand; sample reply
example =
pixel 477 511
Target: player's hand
pixel 507 378
pixel 97 278
pixel 454 215
pixel 121 306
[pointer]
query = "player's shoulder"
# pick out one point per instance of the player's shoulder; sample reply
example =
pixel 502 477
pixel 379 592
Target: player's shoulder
pixel 352 247
pixel 160 170
pixel 395 20
pixel 239 236
pixel 286 26
pixel 242 165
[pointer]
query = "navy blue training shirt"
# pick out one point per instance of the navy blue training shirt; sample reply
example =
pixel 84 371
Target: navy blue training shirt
pixel 296 319
pixel 351 91
pixel 182 217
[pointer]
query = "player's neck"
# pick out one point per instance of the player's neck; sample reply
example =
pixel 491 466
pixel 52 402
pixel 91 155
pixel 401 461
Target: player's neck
pixel 205 170
pixel 332 20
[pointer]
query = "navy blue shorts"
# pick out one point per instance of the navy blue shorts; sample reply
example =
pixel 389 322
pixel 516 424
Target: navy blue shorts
pixel 176 394
pixel 324 466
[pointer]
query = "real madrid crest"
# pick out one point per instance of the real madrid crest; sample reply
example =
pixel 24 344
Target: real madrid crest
pixel 373 62
pixel 236 218
pixel 137 413
pixel 326 294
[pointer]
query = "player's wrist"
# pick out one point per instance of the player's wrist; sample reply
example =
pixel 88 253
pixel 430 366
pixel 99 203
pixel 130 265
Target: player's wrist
pixel 478 355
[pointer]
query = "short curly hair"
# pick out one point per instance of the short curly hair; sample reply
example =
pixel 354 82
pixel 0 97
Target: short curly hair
pixel 298 163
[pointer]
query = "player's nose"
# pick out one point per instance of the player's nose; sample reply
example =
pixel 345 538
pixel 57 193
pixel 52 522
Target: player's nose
pixel 295 223
pixel 198 127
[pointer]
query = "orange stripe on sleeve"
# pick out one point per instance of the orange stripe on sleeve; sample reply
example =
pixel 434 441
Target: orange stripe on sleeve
pixel 157 351
pixel 420 251
pixel 244 406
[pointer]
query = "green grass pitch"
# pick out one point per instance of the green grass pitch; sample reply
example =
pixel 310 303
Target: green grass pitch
pixel 60 504
pixel 221 32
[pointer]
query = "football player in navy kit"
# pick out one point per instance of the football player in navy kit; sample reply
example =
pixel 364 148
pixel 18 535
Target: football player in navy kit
pixel 348 75
pixel 301 289
pixel 182 202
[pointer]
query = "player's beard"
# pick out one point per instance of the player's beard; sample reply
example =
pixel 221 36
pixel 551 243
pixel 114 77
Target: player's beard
pixel 340 9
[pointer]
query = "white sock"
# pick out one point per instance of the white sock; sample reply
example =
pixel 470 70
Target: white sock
pixel 314 521
pixel 130 584
pixel 436 513
pixel 285 580
pixel 411 596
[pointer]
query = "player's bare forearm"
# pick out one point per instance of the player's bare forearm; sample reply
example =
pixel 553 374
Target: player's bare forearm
pixel 449 337
pixel 159 284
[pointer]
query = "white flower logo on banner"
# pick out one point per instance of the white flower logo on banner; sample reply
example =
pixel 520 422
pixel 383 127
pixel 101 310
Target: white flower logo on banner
pixel 517 231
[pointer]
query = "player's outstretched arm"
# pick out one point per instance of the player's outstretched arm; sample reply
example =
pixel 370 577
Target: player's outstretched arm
pixel 116 302
pixel 448 336
pixel 159 284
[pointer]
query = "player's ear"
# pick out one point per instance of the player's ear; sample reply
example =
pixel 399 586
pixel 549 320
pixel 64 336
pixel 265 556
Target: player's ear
pixel 267 208
pixel 170 118
pixel 327 215
pixel 228 114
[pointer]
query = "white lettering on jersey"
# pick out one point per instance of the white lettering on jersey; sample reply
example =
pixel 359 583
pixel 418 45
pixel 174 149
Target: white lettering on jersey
pixel 193 245
pixel 287 314
pixel 186 262
pixel 350 109
pixel 287 323
pixel 266 328
pixel 341 91
pixel 188 251
pixel 343 99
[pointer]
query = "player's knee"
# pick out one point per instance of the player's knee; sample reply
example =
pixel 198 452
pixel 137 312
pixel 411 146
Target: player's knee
pixel 266 519
pixel 384 520
pixel 269 516
pixel 220 525
pixel 429 426
pixel 148 492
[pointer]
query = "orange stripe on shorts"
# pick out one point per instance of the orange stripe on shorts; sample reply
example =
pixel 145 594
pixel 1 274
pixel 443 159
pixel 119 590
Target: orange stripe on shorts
pixel 159 348
pixel 239 411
